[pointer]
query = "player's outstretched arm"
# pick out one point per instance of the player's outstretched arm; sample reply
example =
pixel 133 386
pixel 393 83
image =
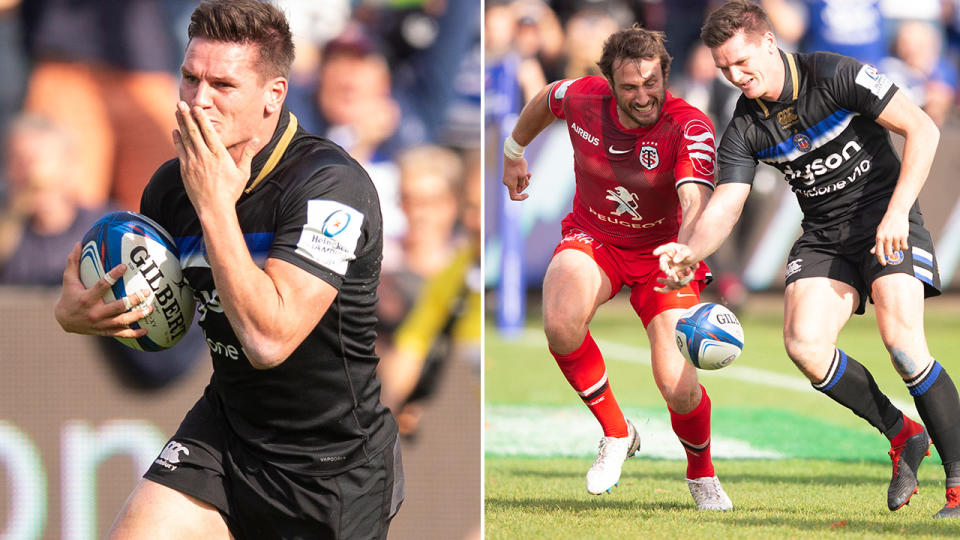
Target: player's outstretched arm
pixel 82 311
pixel 677 260
pixel 534 118
pixel 921 136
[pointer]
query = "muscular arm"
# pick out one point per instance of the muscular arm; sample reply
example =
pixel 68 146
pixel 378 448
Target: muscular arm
pixel 901 116
pixel 534 118
pixel 714 226
pixel 271 310
pixel 693 199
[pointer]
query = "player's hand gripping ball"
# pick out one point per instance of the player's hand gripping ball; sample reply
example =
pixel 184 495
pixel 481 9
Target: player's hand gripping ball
pixel 709 336
pixel 153 264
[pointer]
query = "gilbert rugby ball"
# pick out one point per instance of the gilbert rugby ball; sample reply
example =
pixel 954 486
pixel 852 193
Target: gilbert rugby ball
pixel 153 264
pixel 709 336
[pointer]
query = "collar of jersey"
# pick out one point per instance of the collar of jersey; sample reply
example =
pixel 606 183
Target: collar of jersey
pixel 791 83
pixel 286 129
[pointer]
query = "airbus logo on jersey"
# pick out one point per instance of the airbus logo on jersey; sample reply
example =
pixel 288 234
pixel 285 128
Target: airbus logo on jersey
pixel 649 157
pixel 626 202
pixel 170 455
pixel 701 147
pixel 822 166
pixel 584 134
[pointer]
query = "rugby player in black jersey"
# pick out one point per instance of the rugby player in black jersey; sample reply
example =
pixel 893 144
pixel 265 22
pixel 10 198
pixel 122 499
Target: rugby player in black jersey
pixel 280 238
pixel 823 120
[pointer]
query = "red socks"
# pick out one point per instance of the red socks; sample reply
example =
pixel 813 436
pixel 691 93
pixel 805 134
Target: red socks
pixel 693 430
pixel 587 374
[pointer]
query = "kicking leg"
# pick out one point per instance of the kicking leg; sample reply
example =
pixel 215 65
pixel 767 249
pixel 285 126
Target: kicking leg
pixel 815 310
pixel 899 305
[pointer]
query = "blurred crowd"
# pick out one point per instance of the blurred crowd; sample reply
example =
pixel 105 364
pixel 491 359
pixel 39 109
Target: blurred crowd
pixel 87 102
pixel 529 43
pixel 916 43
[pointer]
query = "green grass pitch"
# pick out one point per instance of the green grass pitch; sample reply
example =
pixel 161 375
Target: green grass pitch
pixel 795 464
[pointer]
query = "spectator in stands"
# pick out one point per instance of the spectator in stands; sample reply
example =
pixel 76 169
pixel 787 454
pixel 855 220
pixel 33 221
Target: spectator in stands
pixel 41 218
pixel 849 27
pixel 919 69
pixel 430 179
pixel 356 111
pixel 586 31
pixel 116 59
pixel 444 324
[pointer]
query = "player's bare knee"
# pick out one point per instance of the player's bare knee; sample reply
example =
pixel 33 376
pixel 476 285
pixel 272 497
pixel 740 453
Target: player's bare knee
pixel 681 399
pixel 564 333
pixel 807 354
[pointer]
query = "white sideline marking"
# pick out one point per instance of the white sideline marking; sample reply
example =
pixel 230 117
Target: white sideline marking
pixel 641 355
pixel 526 430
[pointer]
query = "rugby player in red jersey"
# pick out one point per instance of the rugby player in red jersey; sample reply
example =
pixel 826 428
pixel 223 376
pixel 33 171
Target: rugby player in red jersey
pixel 644 163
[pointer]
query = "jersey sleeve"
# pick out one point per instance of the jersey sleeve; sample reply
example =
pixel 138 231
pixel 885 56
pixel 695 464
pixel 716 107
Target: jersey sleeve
pixel 697 155
pixel 860 87
pixel 559 92
pixel 327 222
pixel 735 160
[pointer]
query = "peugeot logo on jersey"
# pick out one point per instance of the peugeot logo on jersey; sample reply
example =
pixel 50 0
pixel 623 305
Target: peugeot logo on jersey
pixel 335 223
pixel 649 157
pixel 802 142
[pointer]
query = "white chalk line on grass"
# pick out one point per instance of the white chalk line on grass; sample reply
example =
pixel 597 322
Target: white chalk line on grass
pixel 526 430
pixel 623 352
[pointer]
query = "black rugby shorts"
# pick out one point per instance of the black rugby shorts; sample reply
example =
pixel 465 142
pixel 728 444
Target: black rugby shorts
pixel 261 501
pixel 842 252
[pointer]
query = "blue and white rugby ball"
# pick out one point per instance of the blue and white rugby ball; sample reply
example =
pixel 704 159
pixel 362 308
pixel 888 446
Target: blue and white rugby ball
pixel 709 336
pixel 153 264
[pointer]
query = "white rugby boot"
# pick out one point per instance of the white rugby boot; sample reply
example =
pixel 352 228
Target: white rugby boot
pixel 708 494
pixel 605 471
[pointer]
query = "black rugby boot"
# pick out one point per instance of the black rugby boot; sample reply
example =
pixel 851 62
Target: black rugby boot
pixel 952 508
pixel 906 460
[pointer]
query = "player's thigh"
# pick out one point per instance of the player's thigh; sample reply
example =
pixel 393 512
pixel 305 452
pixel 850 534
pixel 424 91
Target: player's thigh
pixel 675 377
pixel 898 300
pixel 157 511
pixel 814 311
pixel 573 287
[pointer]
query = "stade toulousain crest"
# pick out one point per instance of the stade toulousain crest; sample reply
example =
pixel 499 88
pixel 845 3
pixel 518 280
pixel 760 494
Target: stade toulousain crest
pixel 649 157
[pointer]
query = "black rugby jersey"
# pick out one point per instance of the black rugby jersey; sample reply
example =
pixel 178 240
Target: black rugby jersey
pixel 821 134
pixel 310 204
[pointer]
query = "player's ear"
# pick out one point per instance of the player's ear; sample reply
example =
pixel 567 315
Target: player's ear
pixel 276 92
pixel 770 42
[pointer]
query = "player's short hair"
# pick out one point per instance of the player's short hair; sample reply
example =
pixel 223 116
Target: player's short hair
pixel 634 43
pixel 725 21
pixel 247 22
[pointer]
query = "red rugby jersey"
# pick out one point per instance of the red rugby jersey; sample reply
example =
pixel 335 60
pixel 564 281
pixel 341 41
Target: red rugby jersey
pixel 627 179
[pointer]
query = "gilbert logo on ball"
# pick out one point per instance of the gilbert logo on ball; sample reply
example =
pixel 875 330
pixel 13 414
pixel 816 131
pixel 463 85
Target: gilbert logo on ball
pixel 153 264
pixel 709 336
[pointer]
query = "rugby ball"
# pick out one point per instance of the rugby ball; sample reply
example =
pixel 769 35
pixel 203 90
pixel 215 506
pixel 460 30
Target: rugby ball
pixel 709 336
pixel 153 264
